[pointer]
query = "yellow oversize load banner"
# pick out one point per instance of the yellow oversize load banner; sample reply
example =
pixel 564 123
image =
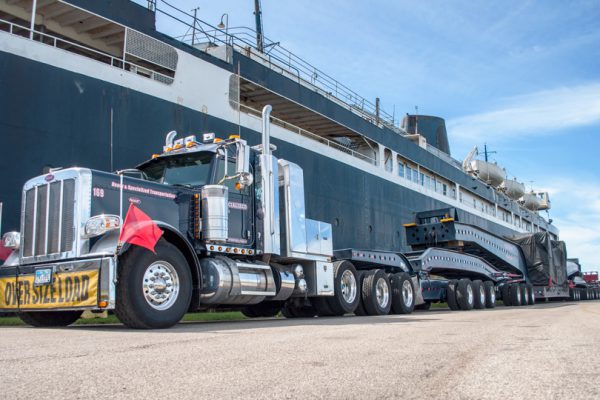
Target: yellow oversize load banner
pixel 68 289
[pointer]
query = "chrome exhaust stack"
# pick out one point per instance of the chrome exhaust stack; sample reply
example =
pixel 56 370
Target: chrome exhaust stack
pixel 267 206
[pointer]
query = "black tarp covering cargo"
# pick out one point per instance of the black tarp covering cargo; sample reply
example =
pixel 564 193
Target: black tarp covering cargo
pixel 546 259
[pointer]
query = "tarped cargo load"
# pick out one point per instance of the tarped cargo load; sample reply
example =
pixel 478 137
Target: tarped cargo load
pixel 546 259
pixel 559 259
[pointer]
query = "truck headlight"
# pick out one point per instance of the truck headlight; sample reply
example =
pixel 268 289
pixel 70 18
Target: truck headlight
pixel 100 224
pixel 12 240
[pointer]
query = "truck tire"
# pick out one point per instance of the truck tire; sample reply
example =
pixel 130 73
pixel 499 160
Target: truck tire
pixel 524 294
pixel 377 293
pixel 424 307
pixel 41 319
pixel 403 293
pixel 346 289
pixel 140 304
pixel 465 296
pixel 515 294
pixel 322 306
pixel 265 309
pixel 505 290
pixel 531 295
pixel 479 295
pixel 293 311
pixel 360 308
pixel 490 294
pixel 451 295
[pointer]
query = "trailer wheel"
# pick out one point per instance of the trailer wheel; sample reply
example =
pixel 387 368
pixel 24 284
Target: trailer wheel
pixel 377 293
pixel 531 299
pixel 524 295
pixel 154 290
pixel 505 290
pixel 515 294
pixel 360 308
pixel 465 295
pixel 262 310
pixel 50 318
pixel 479 295
pixel 490 294
pixel 345 288
pixel 403 293
pixel 451 295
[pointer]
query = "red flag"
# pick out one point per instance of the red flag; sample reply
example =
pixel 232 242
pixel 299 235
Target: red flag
pixel 139 229
pixel 4 252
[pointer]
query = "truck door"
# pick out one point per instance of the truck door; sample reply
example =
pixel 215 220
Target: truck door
pixel 240 207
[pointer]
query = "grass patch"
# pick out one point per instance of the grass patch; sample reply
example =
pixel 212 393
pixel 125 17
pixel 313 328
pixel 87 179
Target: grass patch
pixel 112 319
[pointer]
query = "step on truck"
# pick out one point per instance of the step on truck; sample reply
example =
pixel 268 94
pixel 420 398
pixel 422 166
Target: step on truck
pixel 232 234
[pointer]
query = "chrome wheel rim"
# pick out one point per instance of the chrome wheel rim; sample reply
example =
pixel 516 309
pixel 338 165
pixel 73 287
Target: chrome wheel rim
pixel 481 294
pixel 382 293
pixel 493 296
pixel 161 285
pixel 518 289
pixel 348 286
pixel 470 296
pixel 407 293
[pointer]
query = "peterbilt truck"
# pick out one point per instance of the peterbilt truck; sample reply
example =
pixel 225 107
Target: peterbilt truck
pixel 234 234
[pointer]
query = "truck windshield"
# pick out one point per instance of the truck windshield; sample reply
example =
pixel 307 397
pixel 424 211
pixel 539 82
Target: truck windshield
pixel 186 169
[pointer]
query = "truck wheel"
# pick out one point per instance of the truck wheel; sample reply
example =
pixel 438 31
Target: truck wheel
pixel 377 293
pixel 154 290
pixel 346 290
pixel 465 295
pixel 490 294
pixel 403 293
pixel 451 295
pixel 524 295
pixel 515 294
pixel 50 318
pixel 262 310
pixel 479 295
pixel 531 299
pixel 360 308
pixel 505 290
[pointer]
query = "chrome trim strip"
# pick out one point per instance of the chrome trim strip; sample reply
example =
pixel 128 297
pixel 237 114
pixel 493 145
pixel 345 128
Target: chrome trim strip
pixel 33 228
pixel 60 215
pixel 47 218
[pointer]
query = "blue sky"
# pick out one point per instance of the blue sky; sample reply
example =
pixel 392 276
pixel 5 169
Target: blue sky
pixel 521 76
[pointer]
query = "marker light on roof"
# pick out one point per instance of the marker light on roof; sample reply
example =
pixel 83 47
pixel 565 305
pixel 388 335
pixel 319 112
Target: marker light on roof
pixel 208 137
pixel 190 141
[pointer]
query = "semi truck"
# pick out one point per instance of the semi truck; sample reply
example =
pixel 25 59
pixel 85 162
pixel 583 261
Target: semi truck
pixel 233 234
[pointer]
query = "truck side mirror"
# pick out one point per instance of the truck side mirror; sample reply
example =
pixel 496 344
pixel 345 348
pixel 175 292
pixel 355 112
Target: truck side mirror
pixel 242 164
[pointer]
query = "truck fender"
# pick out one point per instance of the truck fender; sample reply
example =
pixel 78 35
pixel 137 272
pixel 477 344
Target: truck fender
pixel 173 236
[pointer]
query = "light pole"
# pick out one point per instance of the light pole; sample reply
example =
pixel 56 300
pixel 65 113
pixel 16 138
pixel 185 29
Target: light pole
pixel 225 26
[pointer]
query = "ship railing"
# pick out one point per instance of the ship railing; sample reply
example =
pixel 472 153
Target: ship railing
pixel 64 44
pixel 276 57
pixel 453 162
pixel 307 134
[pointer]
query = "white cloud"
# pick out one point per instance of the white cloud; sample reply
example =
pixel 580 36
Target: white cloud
pixel 576 213
pixel 538 114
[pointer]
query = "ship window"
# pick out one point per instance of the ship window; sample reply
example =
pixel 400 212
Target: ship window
pixel 415 176
pixel 445 189
pixel 401 169
pixel 408 172
pixel 422 179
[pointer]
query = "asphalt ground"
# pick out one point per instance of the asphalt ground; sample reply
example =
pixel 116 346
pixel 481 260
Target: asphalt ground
pixel 546 351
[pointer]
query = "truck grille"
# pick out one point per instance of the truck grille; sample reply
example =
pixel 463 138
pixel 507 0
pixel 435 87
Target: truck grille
pixel 49 219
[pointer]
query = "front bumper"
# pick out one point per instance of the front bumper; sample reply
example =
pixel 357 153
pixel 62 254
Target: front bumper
pixel 76 285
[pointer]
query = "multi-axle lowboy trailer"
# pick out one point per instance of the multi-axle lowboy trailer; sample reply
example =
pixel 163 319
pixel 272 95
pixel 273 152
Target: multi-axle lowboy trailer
pixel 234 234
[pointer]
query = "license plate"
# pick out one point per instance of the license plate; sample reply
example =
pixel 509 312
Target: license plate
pixel 43 276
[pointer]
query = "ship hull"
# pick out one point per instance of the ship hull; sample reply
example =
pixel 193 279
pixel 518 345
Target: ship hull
pixel 51 117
